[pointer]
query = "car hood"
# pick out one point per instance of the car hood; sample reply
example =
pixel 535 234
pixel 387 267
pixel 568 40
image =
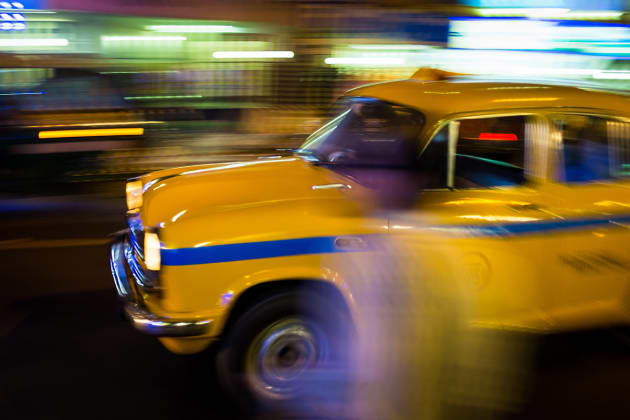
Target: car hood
pixel 182 193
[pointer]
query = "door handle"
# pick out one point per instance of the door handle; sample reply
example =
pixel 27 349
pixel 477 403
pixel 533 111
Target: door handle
pixel 332 186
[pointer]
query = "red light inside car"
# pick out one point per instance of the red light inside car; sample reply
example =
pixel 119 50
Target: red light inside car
pixel 498 136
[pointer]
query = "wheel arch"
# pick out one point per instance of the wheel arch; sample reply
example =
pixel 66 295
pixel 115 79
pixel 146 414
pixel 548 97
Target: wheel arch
pixel 250 296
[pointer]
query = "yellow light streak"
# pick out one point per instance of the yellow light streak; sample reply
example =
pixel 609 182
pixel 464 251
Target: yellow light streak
pixel 103 132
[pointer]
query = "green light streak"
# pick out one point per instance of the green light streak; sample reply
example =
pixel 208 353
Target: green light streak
pixel 136 98
pixel 195 28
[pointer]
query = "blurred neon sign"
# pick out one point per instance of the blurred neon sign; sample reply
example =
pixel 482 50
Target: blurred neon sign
pixel 9 19
pixel 588 38
pixel 572 4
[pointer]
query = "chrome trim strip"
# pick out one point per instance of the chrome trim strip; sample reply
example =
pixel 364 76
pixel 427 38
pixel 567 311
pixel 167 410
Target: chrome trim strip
pixel 149 323
pixel 453 135
pixel 537 145
pixel 136 270
pixel 136 233
pixel 151 183
pixel 332 186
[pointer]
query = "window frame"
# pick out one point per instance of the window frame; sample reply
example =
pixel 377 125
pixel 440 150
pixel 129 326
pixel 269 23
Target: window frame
pixel 535 158
pixel 558 174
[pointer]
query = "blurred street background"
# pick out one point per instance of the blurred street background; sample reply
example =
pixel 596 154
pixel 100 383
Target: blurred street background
pixel 176 83
pixel 92 93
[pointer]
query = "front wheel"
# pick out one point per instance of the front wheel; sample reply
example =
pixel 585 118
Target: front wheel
pixel 287 354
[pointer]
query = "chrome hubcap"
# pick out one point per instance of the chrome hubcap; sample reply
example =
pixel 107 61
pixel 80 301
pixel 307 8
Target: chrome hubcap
pixel 281 356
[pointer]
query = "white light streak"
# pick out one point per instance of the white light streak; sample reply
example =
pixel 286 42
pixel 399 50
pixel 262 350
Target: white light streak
pixel 234 165
pixel 195 28
pixel 550 13
pixel 612 75
pixel 178 215
pixel 366 61
pixel 202 244
pixel 253 54
pixel 523 11
pixel 34 42
pixel 144 38
pixel 499 218
pixel 390 47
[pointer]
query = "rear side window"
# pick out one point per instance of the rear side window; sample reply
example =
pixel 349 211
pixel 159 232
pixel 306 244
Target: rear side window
pixel 490 152
pixel 593 148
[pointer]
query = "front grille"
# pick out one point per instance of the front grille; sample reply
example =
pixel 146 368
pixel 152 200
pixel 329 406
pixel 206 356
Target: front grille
pixel 136 234
pixel 147 279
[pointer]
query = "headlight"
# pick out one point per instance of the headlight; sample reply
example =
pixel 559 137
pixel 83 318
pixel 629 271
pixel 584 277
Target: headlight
pixel 152 251
pixel 134 195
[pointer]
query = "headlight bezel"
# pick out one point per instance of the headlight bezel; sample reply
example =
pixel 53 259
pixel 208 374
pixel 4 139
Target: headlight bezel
pixel 133 190
pixel 152 249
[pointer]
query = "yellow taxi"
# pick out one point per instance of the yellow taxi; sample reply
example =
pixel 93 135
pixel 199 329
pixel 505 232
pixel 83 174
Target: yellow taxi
pixel 526 182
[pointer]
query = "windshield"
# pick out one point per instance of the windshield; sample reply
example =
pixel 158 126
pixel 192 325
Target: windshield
pixel 367 132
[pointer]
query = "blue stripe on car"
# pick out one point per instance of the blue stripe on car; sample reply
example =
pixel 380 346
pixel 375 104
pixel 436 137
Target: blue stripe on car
pixel 326 244
pixel 249 251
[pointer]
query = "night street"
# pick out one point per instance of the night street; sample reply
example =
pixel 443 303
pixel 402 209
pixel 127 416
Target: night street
pixel 67 352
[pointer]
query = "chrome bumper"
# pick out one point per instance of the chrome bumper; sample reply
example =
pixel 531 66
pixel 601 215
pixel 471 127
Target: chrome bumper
pixel 149 323
pixel 128 289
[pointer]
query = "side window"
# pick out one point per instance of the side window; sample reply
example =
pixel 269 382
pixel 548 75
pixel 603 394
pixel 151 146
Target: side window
pixel 593 148
pixel 433 162
pixel 490 152
pixel 619 134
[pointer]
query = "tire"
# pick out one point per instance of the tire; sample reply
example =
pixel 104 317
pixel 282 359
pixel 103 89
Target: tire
pixel 287 355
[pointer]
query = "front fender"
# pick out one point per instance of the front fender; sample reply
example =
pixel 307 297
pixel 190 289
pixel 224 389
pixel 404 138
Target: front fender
pixel 210 290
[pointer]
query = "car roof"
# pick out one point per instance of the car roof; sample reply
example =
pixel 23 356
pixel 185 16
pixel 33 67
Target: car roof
pixel 437 99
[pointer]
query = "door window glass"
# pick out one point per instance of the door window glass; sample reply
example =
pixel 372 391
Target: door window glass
pixel 594 148
pixel 585 148
pixel 490 152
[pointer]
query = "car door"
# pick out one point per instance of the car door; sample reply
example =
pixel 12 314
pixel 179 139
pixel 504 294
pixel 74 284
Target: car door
pixel 591 191
pixel 479 210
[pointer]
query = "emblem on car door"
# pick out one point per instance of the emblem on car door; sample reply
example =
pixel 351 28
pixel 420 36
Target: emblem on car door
pixel 478 269
pixel 350 243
